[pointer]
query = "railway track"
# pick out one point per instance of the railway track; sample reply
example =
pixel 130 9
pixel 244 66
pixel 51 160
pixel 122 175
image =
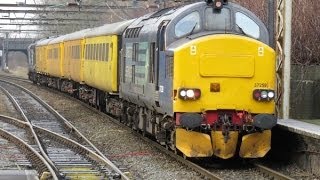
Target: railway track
pixel 16 133
pixel 57 139
pixel 271 173
pixel 205 172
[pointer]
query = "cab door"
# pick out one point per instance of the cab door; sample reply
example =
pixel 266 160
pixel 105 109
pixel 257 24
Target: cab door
pixel 163 80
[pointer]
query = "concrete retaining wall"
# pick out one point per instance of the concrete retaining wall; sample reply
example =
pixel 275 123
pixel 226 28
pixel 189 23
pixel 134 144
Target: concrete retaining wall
pixel 295 148
pixel 305 92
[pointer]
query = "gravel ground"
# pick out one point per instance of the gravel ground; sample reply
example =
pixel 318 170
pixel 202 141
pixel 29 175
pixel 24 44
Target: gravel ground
pixel 6 107
pixel 292 170
pixel 10 156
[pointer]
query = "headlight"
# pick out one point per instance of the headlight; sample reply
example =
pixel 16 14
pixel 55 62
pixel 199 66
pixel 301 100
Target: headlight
pixel 189 94
pixel 183 93
pixel 263 94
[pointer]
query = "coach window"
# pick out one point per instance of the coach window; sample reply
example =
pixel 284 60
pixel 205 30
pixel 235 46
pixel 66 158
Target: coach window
pixel 188 24
pixel 103 52
pixel 86 52
pixel 93 51
pixel 107 51
pixel 99 52
pixel 77 50
pixel 96 52
pixel 217 21
pixel 247 26
pixel 90 51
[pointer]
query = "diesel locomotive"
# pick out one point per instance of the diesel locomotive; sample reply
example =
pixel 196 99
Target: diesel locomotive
pixel 199 78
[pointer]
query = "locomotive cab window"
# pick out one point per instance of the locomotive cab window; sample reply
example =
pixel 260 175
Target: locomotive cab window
pixel 188 24
pixel 217 21
pixel 247 26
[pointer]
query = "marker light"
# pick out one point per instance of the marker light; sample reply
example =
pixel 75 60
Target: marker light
pixel 264 94
pixel 271 94
pixel 189 94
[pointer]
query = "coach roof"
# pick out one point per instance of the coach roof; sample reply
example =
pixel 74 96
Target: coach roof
pixel 109 29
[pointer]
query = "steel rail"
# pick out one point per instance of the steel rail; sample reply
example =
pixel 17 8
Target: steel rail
pixel 67 124
pixel 35 158
pixel 35 136
pixel 81 149
pixel 271 172
pixel 60 117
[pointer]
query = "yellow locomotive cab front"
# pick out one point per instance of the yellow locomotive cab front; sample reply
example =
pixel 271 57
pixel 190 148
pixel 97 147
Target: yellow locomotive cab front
pixel 228 71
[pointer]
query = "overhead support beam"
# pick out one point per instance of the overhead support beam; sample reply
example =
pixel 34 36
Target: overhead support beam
pixel 43 24
pixel 48 19
pixel 61 6
pixel 42 11
pixel 52 6
pixel 25 30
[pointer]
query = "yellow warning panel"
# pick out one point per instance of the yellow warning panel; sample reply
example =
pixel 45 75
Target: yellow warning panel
pixel 193 144
pixel 255 145
pixel 224 147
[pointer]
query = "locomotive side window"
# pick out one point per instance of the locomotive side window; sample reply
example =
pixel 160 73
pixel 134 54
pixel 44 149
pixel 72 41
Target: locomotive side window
pixel 187 24
pixel 217 21
pixel 143 56
pixel 128 62
pixel 247 26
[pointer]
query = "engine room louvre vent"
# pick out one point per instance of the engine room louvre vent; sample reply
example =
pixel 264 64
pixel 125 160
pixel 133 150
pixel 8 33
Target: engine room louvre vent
pixel 133 32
